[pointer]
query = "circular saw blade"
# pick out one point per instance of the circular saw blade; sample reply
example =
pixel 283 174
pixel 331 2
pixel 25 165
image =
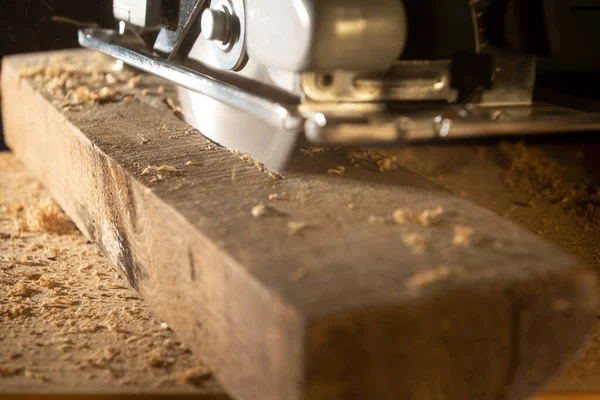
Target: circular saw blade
pixel 233 128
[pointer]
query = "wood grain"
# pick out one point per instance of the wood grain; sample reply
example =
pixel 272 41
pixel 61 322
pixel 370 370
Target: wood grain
pixel 347 309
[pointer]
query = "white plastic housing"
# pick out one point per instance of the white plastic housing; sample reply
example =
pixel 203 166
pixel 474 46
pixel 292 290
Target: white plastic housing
pixel 326 35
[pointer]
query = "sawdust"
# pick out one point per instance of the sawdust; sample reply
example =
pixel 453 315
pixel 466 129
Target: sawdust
pixel 337 171
pixel 440 274
pixel 259 166
pixel 134 82
pixel 259 210
pixel 76 82
pixel 370 159
pixel 44 216
pixel 68 321
pixel 542 178
pixel 297 227
pixel 416 242
pixel 462 236
pixel 156 172
pixel 425 218
pixel 153 169
pixel 310 151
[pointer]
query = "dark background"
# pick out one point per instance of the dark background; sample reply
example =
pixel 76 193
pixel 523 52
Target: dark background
pixel 30 25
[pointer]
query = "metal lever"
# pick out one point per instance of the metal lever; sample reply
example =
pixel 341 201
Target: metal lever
pixel 281 116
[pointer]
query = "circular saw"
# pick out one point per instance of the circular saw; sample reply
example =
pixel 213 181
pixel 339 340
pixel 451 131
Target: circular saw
pixel 255 75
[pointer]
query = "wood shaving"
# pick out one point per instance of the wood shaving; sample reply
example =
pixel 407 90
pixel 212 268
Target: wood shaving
pixel 399 216
pixel 276 196
pixel 462 236
pixel 134 82
pixel 440 274
pixel 168 168
pixel 376 219
pixel 156 171
pixel 189 163
pixel 259 210
pixel 195 376
pixel 312 150
pixel 176 109
pixel 296 227
pixel 416 242
pixel 110 79
pixel 425 218
pixel 337 171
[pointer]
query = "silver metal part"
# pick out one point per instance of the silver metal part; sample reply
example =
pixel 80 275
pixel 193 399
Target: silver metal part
pixel 326 35
pixel 353 125
pixel 224 24
pixel 170 41
pixel 216 25
pixel 405 81
pixel 513 79
pixel 138 12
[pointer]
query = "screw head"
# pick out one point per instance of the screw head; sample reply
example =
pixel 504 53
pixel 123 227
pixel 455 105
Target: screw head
pixel 215 25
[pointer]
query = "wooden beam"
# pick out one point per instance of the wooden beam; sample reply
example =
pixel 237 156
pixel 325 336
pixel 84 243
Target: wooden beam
pixel 461 304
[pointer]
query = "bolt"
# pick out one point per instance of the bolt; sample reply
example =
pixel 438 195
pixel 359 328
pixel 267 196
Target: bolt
pixel 216 25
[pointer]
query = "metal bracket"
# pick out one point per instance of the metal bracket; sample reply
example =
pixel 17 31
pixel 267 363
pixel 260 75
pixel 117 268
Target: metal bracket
pixel 179 42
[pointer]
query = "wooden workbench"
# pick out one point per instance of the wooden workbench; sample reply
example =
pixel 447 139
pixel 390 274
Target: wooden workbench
pixel 319 281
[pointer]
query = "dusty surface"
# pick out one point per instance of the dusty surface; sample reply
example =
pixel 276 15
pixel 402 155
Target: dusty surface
pixel 67 320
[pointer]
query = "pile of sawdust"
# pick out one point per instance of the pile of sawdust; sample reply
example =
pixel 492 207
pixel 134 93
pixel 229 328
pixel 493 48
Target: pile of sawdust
pixel 44 216
pixel 75 82
pixel 532 172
